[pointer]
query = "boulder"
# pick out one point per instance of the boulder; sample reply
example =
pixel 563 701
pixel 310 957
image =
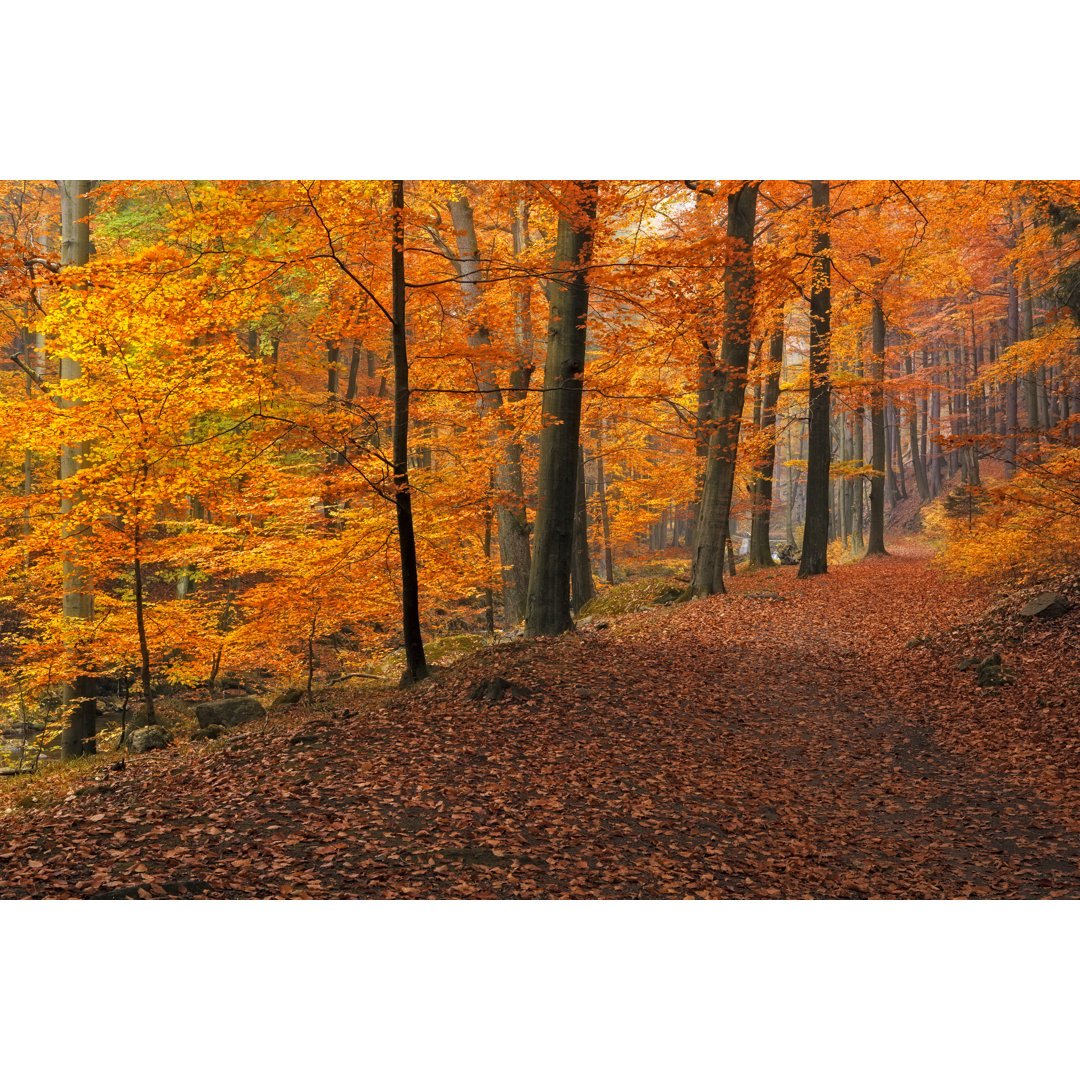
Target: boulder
pixel 229 712
pixel 287 697
pixel 1047 605
pixel 787 555
pixel 152 737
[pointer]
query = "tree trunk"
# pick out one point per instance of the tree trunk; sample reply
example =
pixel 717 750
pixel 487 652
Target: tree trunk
pixel 79 706
pixel 547 608
pixel 937 461
pixel 858 542
pixel 728 391
pixel 582 589
pixel 760 547
pixel 815 550
pixel 1011 410
pixel 605 524
pixel 140 625
pixel 913 437
pixel 1031 389
pixel 509 497
pixel 514 541
pixel 415 662
pixel 875 542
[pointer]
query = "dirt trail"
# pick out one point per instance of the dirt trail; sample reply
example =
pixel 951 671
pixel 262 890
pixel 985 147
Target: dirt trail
pixel 774 742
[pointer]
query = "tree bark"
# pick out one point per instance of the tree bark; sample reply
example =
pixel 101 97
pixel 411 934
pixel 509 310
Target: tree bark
pixel 1031 389
pixel 1011 410
pixel 415 662
pixel 582 589
pixel 875 543
pixel 815 557
pixel 79 706
pixel 760 548
pixel 605 524
pixel 913 437
pixel 728 393
pixel 547 608
pixel 509 495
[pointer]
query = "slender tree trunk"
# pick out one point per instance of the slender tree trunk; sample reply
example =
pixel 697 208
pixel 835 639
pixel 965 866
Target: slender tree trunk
pixel 937 460
pixel 77 696
pixel 489 596
pixel 858 543
pixel 1031 389
pixel 140 627
pixel 815 550
pixel 605 524
pixel 875 544
pixel 843 481
pixel 898 444
pixel 415 661
pixel 582 589
pixel 350 390
pixel 548 606
pixel 728 392
pixel 760 547
pixel 1012 419
pixel 913 437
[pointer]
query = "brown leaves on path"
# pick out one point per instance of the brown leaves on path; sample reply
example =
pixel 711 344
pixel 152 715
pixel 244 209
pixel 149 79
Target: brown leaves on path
pixel 779 741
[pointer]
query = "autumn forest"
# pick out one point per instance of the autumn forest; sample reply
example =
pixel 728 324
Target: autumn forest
pixel 540 538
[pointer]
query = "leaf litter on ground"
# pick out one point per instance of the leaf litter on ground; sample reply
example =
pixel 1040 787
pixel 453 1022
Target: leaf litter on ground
pixel 732 747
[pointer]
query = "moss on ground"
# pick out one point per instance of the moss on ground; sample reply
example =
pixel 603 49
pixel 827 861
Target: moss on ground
pixel 635 595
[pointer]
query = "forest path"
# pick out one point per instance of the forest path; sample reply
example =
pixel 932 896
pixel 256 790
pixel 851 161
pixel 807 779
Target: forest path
pixel 779 741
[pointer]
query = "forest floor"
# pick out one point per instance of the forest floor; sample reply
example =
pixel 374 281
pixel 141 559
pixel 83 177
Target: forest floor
pixel 790 739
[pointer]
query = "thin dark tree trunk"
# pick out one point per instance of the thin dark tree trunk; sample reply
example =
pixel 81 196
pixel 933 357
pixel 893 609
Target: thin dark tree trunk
pixel 547 609
pixel 140 626
pixel 815 550
pixel 415 662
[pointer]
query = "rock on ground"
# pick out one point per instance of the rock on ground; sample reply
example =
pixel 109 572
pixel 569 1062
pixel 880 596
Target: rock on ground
pixel 152 737
pixel 229 712
pixel 1046 605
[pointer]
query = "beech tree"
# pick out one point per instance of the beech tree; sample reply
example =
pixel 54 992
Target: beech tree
pixel 77 699
pixel 548 607
pixel 727 386
pixel 819 455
